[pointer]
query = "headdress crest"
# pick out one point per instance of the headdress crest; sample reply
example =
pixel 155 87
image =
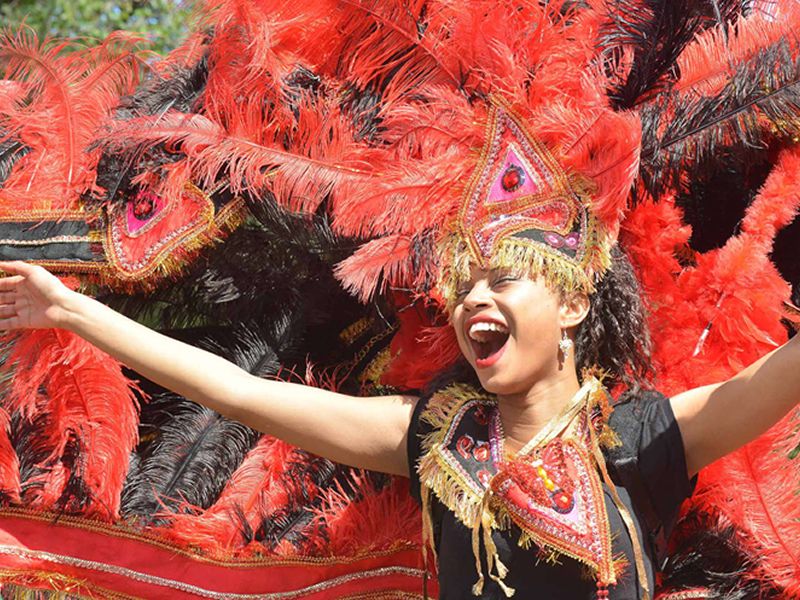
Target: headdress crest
pixel 521 210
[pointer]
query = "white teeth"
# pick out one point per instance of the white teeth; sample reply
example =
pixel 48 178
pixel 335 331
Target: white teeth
pixel 477 331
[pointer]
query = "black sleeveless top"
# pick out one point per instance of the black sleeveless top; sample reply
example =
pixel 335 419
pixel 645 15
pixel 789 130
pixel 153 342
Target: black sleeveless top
pixel 652 446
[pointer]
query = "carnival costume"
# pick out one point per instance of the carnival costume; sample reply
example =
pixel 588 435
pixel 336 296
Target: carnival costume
pixel 302 188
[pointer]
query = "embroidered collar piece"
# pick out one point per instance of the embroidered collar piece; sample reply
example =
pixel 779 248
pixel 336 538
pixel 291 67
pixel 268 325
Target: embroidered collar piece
pixel 550 490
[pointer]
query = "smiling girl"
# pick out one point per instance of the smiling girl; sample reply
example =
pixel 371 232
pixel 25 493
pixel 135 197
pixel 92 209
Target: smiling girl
pixel 520 464
pixel 530 481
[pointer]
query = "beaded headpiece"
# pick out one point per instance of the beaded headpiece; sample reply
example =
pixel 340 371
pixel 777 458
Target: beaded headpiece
pixel 522 211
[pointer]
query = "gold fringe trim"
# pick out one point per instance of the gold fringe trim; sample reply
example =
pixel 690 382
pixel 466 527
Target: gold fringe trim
pixel 438 477
pixel 523 258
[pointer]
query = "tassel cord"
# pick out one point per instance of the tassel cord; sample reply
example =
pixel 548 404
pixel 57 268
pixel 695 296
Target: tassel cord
pixel 625 514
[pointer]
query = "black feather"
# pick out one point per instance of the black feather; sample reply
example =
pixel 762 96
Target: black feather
pixel 278 268
pixel 11 150
pixel 711 558
pixel 25 436
pixel 656 31
pixel 191 459
pixel 181 90
pixel 714 200
pixel 304 477
pixel 188 452
pixel 682 132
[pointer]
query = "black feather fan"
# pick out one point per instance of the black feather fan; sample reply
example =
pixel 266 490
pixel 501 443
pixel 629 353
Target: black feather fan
pixel 188 452
pixel 190 460
pixel 712 560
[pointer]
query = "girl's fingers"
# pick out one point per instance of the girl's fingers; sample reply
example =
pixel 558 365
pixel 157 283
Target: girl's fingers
pixel 9 283
pixel 16 267
pixel 8 297
pixel 8 310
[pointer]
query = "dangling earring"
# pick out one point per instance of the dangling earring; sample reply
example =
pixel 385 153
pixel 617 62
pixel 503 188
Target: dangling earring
pixel 565 344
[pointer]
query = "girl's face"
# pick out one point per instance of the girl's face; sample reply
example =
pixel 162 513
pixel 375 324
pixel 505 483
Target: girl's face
pixel 508 329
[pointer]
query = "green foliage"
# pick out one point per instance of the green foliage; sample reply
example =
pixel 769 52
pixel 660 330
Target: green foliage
pixel 164 22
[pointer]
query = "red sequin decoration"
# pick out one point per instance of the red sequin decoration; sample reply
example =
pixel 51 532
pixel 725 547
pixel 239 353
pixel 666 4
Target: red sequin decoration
pixel 464 446
pixel 144 205
pixel 513 178
pixel 482 452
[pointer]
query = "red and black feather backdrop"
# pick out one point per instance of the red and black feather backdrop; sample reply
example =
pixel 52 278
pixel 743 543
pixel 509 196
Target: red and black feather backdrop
pixel 272 191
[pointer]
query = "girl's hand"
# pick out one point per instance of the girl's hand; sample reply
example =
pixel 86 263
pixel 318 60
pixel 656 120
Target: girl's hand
pixel 31 297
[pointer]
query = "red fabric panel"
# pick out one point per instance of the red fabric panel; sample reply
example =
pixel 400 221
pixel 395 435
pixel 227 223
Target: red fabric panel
pixel 110 559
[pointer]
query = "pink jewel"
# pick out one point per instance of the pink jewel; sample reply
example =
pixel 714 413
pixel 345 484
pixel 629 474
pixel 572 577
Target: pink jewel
pixel 484 476
pixel 555 240
pixel 464 446
pixel 573 239
pixel 481 452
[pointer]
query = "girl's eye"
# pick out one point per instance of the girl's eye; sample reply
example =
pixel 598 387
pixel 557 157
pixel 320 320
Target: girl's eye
pixel 505 279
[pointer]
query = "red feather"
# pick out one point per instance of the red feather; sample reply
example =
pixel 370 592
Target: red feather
pixel 756 489
pixel 373 265
pixel 382 43
pixel 88 402
pixel 9 464
pixel 707 63
pixel 380 519
pixel 322 159
pixel 70 94
pixel 254 487
pixel 738 290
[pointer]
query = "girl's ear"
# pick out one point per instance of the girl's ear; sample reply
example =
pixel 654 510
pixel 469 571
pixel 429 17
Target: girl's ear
pixel 573 310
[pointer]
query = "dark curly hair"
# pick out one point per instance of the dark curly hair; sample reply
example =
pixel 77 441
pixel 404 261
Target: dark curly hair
pixel 614 337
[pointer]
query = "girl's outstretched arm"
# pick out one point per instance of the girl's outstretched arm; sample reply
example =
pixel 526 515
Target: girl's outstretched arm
pixel 368 433
pixel 717 419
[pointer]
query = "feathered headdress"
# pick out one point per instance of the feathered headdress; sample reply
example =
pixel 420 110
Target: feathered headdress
pixel 504 151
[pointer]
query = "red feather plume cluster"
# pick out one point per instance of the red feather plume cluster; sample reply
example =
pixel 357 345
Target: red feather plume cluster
pixel 708 322
pixel 83 415
pixel 55 97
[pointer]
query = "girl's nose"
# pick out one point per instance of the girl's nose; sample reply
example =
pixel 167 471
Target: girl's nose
pixel 479 296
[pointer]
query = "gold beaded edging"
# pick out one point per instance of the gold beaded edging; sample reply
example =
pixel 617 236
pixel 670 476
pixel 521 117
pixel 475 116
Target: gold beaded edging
pixel 204 593
pixel 119 531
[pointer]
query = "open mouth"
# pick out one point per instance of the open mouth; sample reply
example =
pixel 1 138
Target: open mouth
pixel 488 340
